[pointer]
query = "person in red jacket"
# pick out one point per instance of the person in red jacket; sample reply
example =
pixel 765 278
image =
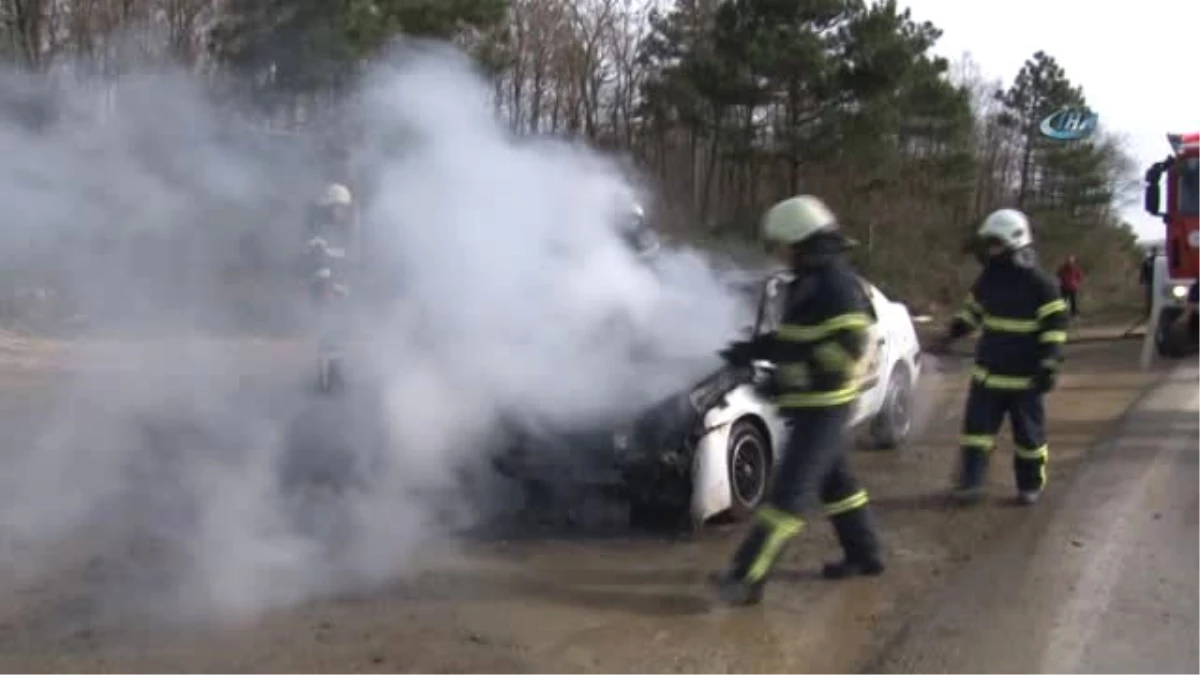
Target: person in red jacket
pixel 1070 278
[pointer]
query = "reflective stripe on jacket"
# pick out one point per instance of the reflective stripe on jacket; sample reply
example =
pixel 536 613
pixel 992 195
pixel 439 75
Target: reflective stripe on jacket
pixel 822 337
pixel 1023 321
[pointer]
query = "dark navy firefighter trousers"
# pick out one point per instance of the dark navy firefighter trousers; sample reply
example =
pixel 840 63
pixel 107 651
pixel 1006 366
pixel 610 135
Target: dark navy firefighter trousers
pixel 985 413
pixel 815 466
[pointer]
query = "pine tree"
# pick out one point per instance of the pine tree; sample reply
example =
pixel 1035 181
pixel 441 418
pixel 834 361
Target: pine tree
pixel 1066 186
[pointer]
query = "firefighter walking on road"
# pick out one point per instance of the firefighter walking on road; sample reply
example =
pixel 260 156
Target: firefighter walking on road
pixel 1023 322
pixel 817 351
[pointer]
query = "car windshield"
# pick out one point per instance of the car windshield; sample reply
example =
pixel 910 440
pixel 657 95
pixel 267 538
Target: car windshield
pixel 770 303
pixel 1189 188
pixel 774 296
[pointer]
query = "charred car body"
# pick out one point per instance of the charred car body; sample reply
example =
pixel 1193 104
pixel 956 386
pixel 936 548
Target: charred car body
pixel 710 450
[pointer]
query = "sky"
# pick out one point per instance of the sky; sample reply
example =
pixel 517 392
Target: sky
pixel 1135 61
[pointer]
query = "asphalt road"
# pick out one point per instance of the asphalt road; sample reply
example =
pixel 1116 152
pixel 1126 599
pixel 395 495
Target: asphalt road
pixel 1106 581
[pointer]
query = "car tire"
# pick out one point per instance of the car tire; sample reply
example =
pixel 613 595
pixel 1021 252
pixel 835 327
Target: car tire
pixel 893 424
pixel 1170 342
pixel 749 466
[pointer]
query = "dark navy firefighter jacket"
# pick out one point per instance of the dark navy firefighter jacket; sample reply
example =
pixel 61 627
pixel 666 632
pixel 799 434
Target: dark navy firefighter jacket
pixel 1023 320
pixel 822 337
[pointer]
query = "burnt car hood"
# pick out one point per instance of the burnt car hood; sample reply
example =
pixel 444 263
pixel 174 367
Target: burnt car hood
pixel 672 423
pixel 604 451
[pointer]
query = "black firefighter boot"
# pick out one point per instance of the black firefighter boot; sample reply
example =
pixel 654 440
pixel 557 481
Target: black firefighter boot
pixel 731 584
pixel 743 582
pixel 860 543
pixel 973 466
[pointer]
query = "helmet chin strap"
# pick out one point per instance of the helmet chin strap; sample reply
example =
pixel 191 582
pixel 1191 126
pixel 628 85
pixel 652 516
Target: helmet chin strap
pixel 1022 257
pixel 1025 257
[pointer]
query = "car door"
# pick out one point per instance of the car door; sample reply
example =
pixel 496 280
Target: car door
pixel 769 314
pixel 871 375
pixel 771 303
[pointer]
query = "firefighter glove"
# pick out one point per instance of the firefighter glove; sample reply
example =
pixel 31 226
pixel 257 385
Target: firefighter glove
pixel 736 354
pixel 766 384
pixel 742 352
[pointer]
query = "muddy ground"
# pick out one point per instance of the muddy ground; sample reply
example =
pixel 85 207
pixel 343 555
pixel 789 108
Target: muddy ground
pixel 633 603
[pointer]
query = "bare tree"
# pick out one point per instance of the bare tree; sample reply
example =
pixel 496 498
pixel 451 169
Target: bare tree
pixel 33 30
pixel 186 24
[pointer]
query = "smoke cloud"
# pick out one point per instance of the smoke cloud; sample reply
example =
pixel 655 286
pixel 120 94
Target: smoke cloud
pixel 501 288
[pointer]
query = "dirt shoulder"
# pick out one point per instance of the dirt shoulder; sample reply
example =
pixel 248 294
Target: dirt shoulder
pixel 629 604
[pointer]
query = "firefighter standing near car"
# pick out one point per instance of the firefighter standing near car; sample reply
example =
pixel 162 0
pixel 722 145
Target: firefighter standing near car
pixel 817 351
pixel 332 244
pixel 638 235
pixel 332 257
pixel 1023 322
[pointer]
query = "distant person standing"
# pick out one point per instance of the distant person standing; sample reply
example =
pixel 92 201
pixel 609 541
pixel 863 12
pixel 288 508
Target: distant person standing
pixel 1147 277
pixel 1070 279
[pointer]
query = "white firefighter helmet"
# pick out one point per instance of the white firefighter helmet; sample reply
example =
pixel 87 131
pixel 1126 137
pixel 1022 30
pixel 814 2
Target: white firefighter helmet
pixel 793 220
pixel 1010 227
pixel 336 194
pixel 637 233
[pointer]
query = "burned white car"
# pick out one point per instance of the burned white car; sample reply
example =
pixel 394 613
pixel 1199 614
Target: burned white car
pixel 710 450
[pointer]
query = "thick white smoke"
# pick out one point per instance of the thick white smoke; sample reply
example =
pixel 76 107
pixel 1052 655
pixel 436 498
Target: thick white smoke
pixel 512 293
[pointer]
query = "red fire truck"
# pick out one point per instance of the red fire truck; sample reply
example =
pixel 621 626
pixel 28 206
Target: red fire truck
pixel 1182 169
pixel 1179 266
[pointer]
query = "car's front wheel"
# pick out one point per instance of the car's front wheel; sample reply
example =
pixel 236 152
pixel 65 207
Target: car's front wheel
pixel 893 425
pixel 749 468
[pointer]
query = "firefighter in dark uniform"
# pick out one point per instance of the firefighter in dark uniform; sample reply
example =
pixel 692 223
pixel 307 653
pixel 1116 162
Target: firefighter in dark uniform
pixel 333 250
pixel 331 264
pixel 1023 321
pixel 818 353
